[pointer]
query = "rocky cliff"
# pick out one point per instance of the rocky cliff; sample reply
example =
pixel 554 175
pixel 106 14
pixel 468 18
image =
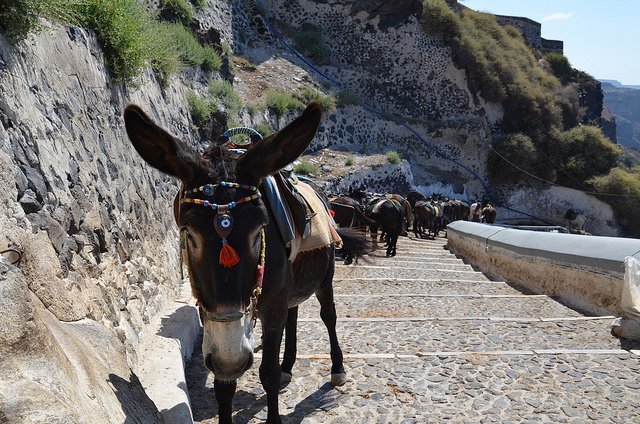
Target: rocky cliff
pixel 417 101
pixel 93 222
pixel 624 104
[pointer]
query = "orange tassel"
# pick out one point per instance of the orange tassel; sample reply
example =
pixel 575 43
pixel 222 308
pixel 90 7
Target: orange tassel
pixel 228 256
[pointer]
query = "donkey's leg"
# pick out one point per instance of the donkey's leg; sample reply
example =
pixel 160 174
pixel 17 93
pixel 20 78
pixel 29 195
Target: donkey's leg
pixel 270 371
pixel 224 395
pixel 329 317
pixel 373 230
pixel 289 345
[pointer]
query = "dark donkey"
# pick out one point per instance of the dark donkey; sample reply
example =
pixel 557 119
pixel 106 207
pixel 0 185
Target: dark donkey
pixel 388 215
pixel 229 254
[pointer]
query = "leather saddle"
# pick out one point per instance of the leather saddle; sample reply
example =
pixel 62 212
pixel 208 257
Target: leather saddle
pixel 301 210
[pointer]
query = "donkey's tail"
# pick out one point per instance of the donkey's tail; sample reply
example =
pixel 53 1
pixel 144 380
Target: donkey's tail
pixel 355 243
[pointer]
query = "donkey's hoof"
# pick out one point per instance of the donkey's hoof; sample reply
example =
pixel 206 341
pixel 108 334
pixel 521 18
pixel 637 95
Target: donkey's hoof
pixel 285 379
pixel 338 379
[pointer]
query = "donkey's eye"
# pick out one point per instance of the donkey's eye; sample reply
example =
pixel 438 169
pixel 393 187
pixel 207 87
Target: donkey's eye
pixel 191 240
pixel 257 239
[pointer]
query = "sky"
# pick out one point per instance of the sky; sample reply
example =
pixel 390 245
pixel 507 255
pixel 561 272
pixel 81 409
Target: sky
pixel 601 37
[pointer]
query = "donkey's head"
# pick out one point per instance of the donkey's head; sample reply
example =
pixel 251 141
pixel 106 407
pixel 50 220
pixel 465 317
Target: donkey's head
pixel 222 220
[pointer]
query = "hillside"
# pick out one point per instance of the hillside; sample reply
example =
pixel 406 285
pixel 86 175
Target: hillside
pixel 624 103
pixel 94 223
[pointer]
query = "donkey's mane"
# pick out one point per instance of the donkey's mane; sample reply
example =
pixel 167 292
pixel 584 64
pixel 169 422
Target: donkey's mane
pixel 221 163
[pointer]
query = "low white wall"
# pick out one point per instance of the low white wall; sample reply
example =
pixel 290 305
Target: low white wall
pixel 585 272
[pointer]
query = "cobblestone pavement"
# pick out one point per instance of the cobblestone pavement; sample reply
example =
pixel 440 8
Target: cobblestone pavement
pixel 427 339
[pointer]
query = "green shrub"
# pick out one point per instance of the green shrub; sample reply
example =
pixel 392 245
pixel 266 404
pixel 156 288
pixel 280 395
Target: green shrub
pixel 626 185
pixel 517 149
pixel 20 17
pixel 188 48
pixel 305 168
pixel 310 42
pixel 131 38
pixel 587 153
pixel 252 109
pixel 499 65
pixel 328 102
pixel 126 33
pixel 264 129
pixel 224 92
pixel 282 102
pixel 438 18
pixel 393 157
pixel 181 9
pixel 199 108
pixel 211 59
pixel 629 161
pixel 559 64
pixel 226 49
pixel 200 4
pixel 349 161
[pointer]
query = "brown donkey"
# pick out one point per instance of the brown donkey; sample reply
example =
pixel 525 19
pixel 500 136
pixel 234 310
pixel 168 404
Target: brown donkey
pixel 231 245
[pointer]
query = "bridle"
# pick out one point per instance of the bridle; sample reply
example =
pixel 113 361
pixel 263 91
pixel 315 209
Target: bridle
pixel 223 224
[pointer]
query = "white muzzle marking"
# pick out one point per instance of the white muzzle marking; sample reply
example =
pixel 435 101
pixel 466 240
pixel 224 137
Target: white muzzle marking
pixel 228 347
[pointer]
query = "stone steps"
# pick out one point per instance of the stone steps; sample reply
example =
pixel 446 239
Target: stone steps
pixel 381 286
pixel 441 306
pixel 424 335
pixel 434 389
pixel 444 272
pixel 427 339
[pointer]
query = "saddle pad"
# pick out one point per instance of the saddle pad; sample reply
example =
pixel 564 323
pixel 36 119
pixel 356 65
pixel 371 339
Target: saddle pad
pixel 322 231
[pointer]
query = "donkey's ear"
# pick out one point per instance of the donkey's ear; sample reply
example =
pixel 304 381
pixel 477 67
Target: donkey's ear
pixel 157 147
pixel 280 149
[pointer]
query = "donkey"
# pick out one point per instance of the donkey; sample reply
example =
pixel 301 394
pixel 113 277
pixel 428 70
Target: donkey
pixel 349 213
pixel 388 215
pixel 254 277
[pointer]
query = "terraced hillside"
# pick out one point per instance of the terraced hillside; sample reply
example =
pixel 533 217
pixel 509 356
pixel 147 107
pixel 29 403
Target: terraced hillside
pixel 428 339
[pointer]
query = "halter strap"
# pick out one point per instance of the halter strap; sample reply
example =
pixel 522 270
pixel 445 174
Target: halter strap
pixel 209 190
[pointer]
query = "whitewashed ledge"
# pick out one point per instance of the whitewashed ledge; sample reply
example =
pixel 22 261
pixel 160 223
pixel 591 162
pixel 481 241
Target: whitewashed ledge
pixel 164 351
pixel 585 272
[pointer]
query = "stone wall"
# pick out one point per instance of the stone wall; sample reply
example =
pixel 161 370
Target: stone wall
pixel 551 204
pixel 555 46
pixel 582 271
pixel 530 29
pixel 95 227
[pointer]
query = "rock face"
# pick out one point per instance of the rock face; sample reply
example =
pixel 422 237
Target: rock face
pixel 400 71
pixel 95 228
pixel 624 104
pixel 417 102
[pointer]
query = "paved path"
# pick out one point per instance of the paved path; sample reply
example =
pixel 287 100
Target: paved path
pixel 427 339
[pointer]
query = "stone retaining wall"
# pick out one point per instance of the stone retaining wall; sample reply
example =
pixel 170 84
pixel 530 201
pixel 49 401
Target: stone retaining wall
pixel 585 272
